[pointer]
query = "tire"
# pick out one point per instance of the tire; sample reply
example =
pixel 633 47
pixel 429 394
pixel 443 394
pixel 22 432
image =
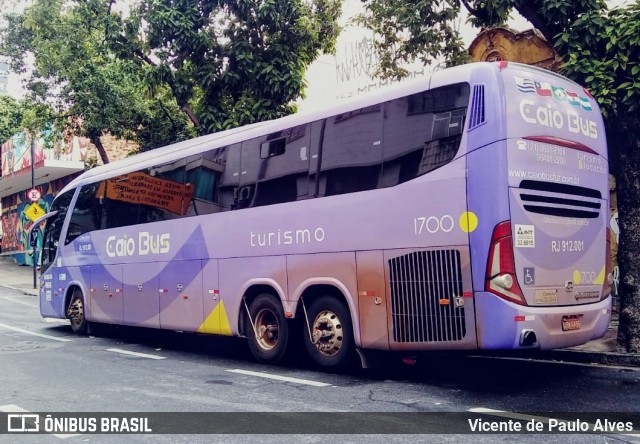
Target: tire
pixel 76 313
pixel 267 315
pixel 331 345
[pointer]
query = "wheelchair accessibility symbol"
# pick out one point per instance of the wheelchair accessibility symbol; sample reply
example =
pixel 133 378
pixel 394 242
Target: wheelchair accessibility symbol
pixel 529 276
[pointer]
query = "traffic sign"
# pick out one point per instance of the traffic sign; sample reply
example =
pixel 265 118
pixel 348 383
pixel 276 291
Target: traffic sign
pixel 34 195
pixel 34 211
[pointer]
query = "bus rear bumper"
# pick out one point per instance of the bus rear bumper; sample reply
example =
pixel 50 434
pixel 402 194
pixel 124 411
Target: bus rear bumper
pixel 501 324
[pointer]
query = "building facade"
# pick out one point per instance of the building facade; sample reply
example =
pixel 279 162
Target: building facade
pixel 56 161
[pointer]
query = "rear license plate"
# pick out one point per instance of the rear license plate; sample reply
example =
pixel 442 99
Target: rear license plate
pixel 571 322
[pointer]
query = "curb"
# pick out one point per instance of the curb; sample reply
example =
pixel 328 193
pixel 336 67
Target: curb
pixel 572 356
pixel 20 290
pixel 588 357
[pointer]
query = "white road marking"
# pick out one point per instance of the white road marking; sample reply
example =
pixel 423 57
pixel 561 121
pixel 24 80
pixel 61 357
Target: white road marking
pixel 12 408
pixel 18 301
pixel 33 333
pixel 280 378
pixel 56 321
pixel 543 419
pixel 131 353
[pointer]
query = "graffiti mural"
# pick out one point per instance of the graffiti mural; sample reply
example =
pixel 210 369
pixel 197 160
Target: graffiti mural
pixel 16 225
pixel 356 61
pixel 49 144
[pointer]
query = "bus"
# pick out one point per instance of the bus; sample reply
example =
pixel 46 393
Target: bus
pixel 466 210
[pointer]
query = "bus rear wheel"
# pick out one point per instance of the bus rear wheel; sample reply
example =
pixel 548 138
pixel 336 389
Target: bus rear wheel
pixel 269 333
pixel 76 313
pixel 330 342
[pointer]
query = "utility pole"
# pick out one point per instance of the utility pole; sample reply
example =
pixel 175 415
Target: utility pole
pixel 33 185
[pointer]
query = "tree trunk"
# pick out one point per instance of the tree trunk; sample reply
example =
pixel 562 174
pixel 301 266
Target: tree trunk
pixel 192 116
pixel 626 152
pixel 95 139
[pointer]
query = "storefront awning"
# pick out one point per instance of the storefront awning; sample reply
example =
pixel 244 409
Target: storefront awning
pixel 46 171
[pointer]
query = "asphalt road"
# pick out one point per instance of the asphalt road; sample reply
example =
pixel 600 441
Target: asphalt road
pixel 45 368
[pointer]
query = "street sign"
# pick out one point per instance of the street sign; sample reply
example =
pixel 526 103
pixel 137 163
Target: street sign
pixel 33 240
pixel 34 211
pixel 34 195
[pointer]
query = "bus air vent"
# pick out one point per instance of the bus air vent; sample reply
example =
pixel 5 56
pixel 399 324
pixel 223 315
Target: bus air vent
pixel 561 200
pixel 426 289
pixel 477 117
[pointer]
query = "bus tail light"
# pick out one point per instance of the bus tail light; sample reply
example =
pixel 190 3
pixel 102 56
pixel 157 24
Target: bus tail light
pixel 608 269
pixel 562 142
pixel 501 277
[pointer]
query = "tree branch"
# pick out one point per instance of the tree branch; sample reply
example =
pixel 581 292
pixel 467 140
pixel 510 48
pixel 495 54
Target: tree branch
pixel 144 58
pixel 189 112
pixel 531 13
pixel 469 8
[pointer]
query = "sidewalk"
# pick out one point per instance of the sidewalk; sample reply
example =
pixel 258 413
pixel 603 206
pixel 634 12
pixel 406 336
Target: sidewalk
pixel 17 277
pixel 600 351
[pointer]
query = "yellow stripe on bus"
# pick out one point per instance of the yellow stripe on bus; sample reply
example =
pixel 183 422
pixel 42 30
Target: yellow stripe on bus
pixel 601 276
pixel 217 322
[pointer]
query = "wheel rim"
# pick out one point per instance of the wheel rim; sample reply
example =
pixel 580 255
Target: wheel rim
pixel 327 333
pixel 266 329
pixel 75 312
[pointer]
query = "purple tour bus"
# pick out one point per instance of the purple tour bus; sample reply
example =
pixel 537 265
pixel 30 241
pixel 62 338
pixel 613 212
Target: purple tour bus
pixel 463 211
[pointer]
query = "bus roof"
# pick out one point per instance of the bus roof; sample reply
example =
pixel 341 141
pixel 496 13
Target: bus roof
pixel 197 145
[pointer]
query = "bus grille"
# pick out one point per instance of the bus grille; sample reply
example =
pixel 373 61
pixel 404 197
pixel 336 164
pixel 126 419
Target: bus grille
pixel 426 297
pixel 561 200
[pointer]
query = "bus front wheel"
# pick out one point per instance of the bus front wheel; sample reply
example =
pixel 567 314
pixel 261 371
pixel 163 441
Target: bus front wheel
pixel 76 313
pixel 269 332
pixel 329 333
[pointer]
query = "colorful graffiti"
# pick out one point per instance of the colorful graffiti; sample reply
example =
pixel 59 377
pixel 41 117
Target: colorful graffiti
pixel 49 145
pixel 16 225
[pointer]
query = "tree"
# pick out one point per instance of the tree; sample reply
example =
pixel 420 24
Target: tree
pixel 599 48
pixel 10 117
pixel 75 71
pixel 170 67
pixel 16 116
pixel 228 62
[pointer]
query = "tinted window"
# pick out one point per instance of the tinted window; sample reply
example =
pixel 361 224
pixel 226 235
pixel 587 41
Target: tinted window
pixel 275 168
pixel 213 177
pixel 162 192
pixel 120 210
pixel 351 152
pixel 53 229
pixel 87 213
pixel 422 132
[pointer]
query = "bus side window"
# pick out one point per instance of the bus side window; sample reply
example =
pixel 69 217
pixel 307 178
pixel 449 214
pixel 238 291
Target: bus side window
pixel 204 175
pixel 352 152
pixel 53 229
pixel 226 187
pixel 163 193
pixel 87 213
pixel 275 168
pixel 422 132
pixel 120 208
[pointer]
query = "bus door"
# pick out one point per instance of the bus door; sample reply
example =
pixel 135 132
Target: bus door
pixel 49 278
pixel 51 299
